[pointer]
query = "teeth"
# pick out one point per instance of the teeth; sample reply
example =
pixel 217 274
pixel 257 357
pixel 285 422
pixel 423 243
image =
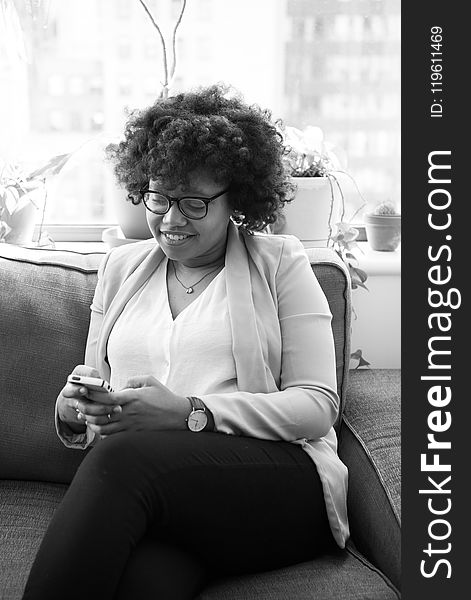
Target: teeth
pixel 175 237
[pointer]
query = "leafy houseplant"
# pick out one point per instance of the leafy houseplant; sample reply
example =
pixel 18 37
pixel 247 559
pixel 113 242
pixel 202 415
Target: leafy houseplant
pixel 383 227
pixel 317 203
pixel 343 242
pixel 20 198
pixel 320 200
pixel 306 153
pixel 17 206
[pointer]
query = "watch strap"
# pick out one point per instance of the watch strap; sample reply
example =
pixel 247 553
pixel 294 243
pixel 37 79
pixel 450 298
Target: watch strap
pixel 196 403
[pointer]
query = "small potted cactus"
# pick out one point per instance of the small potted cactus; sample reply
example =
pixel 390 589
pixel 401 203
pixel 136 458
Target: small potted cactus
pixel 383 227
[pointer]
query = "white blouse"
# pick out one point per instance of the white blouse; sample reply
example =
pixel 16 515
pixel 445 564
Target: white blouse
pixel 191 354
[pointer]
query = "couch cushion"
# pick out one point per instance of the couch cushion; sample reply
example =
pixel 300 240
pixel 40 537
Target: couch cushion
pixel 27 507
pixel 342 575
pixel 45 298
pixel 370 446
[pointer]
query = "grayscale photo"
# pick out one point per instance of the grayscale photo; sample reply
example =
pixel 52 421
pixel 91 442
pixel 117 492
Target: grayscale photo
pixel 200 299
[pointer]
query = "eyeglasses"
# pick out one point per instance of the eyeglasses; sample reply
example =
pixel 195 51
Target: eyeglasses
pixel 192 207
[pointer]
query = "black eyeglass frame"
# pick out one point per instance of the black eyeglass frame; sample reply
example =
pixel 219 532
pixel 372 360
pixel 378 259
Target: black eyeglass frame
pixel 171 200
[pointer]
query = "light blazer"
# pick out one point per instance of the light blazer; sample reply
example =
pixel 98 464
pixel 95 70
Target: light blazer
pixel 282 345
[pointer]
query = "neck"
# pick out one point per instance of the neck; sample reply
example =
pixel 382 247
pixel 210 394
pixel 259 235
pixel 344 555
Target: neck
pixel 198 266
pixel 205 262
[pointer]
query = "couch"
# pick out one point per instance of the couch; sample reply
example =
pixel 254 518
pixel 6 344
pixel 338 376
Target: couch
pixel 44 310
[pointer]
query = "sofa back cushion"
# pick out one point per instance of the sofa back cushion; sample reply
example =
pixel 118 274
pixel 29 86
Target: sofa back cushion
pixel 45 298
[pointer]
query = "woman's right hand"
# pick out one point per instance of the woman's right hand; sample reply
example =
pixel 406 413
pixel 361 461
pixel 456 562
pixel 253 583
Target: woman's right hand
pixel 68 401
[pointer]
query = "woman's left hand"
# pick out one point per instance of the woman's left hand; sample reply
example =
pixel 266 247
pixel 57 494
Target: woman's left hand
pixel 146 404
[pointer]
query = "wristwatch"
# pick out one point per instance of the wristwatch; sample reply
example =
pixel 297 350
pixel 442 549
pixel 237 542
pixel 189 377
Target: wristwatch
pixel 197 419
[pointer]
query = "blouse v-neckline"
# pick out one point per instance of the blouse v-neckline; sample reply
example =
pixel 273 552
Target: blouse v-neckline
pixel 193 302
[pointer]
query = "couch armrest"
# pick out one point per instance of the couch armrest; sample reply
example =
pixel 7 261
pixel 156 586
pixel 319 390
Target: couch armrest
pixel 369 444
pixel 334 280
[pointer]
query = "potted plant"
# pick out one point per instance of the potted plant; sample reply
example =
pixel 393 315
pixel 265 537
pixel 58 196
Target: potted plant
pixel 319 203
pixel 344 241
pixel 21 197
pixel 316 215
pixel 383 227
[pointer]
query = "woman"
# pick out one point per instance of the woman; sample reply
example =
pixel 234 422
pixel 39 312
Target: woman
pixel 215 454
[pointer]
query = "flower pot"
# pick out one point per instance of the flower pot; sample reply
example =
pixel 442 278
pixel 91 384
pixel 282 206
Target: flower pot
pixel 113 236
pixel 383 231
pixel 131 217
pixel 313 212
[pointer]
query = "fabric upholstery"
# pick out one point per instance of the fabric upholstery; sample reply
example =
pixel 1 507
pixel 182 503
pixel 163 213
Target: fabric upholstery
pixel 369 444
pixel 335 282
pixel 44 298
pixel 344 574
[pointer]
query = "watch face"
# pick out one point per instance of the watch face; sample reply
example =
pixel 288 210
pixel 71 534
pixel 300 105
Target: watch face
pixel 197 420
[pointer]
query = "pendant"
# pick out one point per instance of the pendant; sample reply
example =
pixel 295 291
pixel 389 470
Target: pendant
pixel 189 290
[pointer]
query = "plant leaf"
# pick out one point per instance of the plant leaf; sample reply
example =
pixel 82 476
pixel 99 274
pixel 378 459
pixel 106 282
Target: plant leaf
pixel 52 167
pixel 4 230
pixel 362 363
pixel 361 274
pixel 11 199
pixel 358 355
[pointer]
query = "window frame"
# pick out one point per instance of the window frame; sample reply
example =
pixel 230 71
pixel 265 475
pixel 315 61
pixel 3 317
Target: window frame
pixel 74 233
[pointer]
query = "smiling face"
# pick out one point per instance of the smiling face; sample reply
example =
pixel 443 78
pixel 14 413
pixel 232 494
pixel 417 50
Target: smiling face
pixel 192 242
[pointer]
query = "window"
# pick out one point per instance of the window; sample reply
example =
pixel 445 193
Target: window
pixel 125 86
pixel 330 63
pixel 124 50
pixel 56 85
pixel 123 9
pixel 76 85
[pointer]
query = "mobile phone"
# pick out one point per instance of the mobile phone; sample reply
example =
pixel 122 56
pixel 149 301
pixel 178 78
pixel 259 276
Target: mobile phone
pixel 91 383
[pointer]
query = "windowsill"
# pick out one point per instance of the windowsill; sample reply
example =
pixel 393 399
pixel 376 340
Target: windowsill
pixel 73 233
pixel 374 262
pixel 83 247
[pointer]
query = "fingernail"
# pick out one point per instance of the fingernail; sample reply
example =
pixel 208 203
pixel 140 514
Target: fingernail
pixel 117 409
pixel 83 391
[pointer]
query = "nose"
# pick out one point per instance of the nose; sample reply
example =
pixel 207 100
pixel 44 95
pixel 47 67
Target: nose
pixel 174 217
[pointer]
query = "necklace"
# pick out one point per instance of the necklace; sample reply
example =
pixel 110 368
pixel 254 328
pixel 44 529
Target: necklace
pixel 190 290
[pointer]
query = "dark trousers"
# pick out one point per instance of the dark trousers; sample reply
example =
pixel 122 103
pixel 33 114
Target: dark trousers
pixel 158 514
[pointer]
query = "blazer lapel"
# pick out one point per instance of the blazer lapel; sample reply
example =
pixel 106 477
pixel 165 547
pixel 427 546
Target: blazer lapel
pixel 246 345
